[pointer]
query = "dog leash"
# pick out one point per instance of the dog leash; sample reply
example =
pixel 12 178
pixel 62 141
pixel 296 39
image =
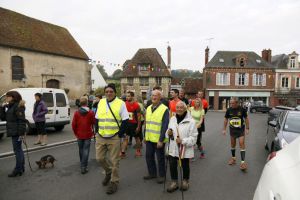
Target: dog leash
pixel 27 152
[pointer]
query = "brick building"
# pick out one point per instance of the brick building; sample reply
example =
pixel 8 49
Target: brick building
pixel 191 86
pixel 242 74
pixel 145 70
pixel 287 81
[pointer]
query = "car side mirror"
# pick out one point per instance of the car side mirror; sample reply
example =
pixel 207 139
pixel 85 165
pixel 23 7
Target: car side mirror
pixel 273 123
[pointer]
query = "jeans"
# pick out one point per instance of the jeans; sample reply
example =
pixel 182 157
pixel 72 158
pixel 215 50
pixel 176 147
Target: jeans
pixel 17 146
pixel 151 150
pixel 185 168
pixel 84 151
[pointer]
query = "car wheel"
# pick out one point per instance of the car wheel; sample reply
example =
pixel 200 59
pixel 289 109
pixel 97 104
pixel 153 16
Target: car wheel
pixel 59 128
pixel 253 110
pixel 266 146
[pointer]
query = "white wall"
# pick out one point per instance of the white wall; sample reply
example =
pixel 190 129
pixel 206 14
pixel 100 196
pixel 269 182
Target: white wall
pixel 97 78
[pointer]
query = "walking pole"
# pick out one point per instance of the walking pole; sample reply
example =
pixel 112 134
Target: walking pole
pixel 180 168
pixel 166 168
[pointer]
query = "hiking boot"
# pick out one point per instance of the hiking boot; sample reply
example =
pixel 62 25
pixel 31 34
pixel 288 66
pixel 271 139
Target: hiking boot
pixel 84 170
pixel 185 185
pixel 106 179
pixel 138 153
pixel 148 177
pixel 243 166
pixel 160 180
pixel 172 187
pixel 112 188
pixel 232 161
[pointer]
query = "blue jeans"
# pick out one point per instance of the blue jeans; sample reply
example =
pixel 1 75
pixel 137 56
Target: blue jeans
pixel 151 150
pixel 17 146
pixel 84 151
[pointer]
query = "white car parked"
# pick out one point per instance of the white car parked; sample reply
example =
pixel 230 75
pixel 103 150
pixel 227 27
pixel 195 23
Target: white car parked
pixel 56 101
pixel 281 175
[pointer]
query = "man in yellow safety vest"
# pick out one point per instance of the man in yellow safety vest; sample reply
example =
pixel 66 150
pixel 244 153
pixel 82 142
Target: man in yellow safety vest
pixel 157 120
pixel 112 118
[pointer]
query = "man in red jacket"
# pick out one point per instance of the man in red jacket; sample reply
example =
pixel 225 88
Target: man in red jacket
pixel 82 126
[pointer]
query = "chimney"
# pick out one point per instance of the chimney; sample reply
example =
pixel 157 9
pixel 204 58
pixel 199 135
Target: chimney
pixel 266 55
pixel 206 55
pixel 169 57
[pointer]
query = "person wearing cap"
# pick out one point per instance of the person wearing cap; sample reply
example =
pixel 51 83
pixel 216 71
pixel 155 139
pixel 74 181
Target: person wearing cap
pixel 112 118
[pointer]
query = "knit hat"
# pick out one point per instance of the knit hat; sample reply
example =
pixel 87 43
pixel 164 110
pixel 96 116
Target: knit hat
pixel 112 86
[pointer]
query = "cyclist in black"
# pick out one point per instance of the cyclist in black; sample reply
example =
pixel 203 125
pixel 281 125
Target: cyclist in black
pixel 238 126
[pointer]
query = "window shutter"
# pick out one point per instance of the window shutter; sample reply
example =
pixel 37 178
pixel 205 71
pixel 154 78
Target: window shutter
pixel 264 80
pixel 228 79
pixel 218 79
pixel 236 78
pixel 246 79
pixel 254 79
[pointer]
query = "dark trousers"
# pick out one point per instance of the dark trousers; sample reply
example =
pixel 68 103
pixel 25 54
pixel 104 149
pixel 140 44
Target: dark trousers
pixel 17 146
pixel 84 151
pixel 199 138
pixel 174 165
pixel 151 150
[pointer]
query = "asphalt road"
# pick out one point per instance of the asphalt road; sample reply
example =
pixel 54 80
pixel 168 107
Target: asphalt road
pixel 211 178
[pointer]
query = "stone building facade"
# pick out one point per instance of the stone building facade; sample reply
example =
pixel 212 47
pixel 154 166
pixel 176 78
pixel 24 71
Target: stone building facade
pixel 144 71
pixel 34 53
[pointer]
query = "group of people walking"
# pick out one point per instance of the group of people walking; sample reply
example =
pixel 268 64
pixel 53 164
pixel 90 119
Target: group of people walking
pixel 170 131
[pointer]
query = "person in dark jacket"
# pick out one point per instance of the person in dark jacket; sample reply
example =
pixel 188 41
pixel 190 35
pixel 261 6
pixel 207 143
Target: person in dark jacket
pixel 13 112
pixel 39 112
pixel 82 126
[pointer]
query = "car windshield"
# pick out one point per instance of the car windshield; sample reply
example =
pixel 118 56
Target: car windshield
pixel 292 123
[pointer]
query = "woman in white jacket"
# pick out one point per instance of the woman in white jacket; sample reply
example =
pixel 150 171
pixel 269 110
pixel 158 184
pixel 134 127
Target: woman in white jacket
pixel 182 134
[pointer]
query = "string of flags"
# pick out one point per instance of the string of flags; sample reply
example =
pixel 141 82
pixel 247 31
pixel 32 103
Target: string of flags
pixel 91 61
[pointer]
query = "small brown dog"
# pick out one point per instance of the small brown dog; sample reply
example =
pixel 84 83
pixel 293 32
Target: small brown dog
pixel 45 160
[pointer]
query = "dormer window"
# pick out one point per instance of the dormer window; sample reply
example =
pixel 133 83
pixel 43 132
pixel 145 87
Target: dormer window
pixel 242 62
pixel 221 60
pixel 293 62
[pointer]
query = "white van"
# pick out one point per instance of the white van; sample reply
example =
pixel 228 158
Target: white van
pixel 56 101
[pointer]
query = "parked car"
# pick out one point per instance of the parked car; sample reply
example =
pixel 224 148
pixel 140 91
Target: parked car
pixel 2 128
pixel 274 112
pixel 259 106
pixel 57 103
pixel 280 176
pixel 285 129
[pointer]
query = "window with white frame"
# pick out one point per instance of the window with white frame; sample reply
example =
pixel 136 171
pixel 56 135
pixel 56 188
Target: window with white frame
pixel 130 81
pixel 158 80
pixel 241 79
pixel 259 79
pixel 297 82
pixel 284 82
pixel 293 62
pixel 144 81
pixel 223 79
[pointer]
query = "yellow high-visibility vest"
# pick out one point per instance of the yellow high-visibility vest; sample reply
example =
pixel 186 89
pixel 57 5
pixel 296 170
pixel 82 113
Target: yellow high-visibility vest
pixel 154 123
pixel 108 126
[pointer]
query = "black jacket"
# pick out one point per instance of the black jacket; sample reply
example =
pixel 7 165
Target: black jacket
pixel 14 115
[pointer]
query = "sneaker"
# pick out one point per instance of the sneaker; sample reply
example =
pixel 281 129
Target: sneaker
pixel 112 188
pixel 243 166
pixel 148 177
pixel 106 179
pixel 232 161
pixel 84 170
pixel 160 180
pixel 185 185
pixel 202 156
pixel 138 153
pixel 172 187
pixel 43 144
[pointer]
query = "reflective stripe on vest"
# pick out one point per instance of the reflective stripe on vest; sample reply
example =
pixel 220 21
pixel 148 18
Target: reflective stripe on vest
pixel 154 123
pixel 108 126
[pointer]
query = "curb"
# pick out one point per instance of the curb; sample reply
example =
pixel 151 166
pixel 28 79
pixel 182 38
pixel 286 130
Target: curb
pixel 11 153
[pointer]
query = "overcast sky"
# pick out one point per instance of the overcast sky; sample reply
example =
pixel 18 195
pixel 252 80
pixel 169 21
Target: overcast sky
pixel 113 30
